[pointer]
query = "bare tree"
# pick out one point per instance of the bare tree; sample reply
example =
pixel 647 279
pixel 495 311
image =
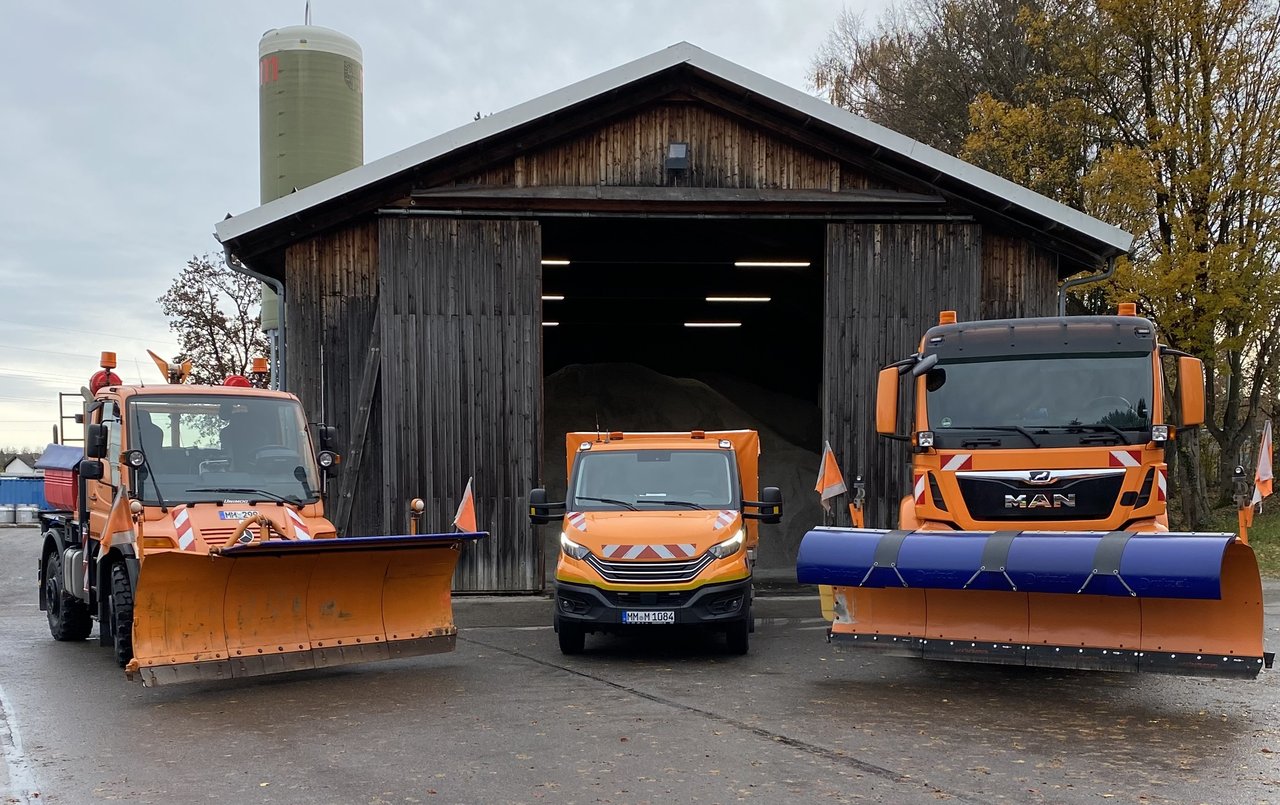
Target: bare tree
pixel 216 313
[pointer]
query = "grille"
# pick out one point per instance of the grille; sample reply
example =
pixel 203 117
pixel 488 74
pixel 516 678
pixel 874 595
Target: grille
pixel 1095 498
pixel 649 572
pixel 218 535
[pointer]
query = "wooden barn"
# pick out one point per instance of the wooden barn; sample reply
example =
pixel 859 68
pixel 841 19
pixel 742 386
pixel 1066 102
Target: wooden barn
pixel 427 295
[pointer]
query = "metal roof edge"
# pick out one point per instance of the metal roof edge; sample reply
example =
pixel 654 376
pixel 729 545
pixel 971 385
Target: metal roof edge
pixel 913 149
pixel 682 52
pixel 475 131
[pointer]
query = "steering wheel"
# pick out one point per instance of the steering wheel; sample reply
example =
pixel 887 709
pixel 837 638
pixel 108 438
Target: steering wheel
pixel 257 451
pixel 1108 400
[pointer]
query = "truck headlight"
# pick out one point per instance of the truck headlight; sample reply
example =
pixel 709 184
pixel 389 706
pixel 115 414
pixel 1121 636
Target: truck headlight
pixel 730 546
pixel 572 548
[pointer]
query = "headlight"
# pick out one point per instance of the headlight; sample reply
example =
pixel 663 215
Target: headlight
pixel 730 546
pixel 572 548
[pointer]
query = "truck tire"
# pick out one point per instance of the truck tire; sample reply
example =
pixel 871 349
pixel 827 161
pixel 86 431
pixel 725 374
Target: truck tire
pixel 737 637
pixel 573 638
pixel 69 617
pixel 120 614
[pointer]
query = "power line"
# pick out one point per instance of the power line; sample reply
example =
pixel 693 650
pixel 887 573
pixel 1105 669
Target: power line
pixel 60 328
pixel 86 356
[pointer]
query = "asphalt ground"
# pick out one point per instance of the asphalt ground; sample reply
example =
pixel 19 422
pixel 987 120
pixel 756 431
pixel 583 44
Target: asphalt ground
pixel 653 718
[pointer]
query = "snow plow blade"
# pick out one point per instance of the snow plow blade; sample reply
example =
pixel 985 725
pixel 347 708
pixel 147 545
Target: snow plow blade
pixel 1179 603
pixel 286 605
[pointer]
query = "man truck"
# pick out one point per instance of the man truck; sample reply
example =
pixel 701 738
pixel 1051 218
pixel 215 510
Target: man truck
pixel 1036 531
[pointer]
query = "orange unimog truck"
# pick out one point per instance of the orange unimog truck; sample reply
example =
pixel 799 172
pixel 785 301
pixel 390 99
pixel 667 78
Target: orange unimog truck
pixel 657 532
pixel 192 528
pixel 1036 532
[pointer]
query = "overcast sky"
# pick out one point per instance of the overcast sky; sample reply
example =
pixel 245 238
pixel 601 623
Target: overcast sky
pixel 127 129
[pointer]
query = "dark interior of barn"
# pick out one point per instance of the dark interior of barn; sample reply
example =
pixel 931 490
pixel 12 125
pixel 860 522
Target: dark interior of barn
pixel 667 294
pixel 664 324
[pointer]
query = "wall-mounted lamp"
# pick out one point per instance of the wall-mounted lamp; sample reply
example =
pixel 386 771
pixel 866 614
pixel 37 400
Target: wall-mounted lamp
pixel 677 162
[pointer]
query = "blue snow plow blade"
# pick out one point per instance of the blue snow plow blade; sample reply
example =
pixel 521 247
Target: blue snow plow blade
pixel 1146 565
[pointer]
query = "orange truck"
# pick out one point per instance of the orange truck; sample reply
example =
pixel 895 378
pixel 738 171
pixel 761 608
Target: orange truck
pixel 656 531
pixel 1036 530
pixel 192 527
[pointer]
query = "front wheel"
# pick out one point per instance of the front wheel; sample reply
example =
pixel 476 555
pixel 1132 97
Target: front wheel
pixel 120 614
pixel 737 636
pixel 573 638
pixel 69 617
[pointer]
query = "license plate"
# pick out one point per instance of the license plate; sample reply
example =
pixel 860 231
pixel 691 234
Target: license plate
pixel 228 514
pixel 652 616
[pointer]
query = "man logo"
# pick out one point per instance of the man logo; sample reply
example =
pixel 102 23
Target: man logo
pixel 1040 477
pixel 1040 501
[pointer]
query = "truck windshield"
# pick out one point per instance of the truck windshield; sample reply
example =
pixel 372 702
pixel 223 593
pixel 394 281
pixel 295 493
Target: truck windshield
pixel 215 447
pixel 1112 391
pixel 645 479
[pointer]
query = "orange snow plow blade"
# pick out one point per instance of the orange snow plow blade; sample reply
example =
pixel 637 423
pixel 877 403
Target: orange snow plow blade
pixel 287 605
pixel 1169 603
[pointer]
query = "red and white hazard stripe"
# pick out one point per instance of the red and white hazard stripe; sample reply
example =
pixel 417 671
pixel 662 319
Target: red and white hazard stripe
pixel 959 461
pixel 1162 485
pixel 1125 458
pixel 724 518
pixel 300 530
pixel 578 520
pixel 919 489
pixel 682 550
pixel 182 527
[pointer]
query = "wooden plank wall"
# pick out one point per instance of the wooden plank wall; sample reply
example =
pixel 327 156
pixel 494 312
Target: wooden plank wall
pixel 1019 279
pixel 330 310
pixel 630 152
pixel 885 286
pixel 462 383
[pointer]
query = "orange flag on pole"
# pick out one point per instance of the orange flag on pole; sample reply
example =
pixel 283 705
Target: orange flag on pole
pixel 830 481
pixel 1262 475
pixel 465 519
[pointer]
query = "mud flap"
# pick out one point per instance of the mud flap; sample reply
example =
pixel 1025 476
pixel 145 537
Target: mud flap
pixel 1184 603
pixel 286 605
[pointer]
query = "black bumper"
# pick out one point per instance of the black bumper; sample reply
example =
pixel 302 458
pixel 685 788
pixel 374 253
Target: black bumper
pixel 600 610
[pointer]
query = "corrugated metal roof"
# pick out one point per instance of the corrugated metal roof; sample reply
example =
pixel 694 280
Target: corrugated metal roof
pixel 683 53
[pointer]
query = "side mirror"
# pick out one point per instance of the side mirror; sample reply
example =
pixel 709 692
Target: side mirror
pixel 327 435
pixel 887 402
pixel 1191 391
pixel 95 441
pixel 91 469
pixel 328 461
pixel 541 511
pixel 769 505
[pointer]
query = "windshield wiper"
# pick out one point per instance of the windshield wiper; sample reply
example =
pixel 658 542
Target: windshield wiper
pixel 688 503
pixel 245 490
pixel 1011 428
pixel 614 501
pixel 1082 426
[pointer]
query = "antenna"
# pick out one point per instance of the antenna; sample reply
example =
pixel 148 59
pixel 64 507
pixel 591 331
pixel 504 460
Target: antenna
pixel 138 366
pixel 307 13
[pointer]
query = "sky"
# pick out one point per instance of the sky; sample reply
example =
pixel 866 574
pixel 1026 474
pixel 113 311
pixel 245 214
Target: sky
pixel 127 129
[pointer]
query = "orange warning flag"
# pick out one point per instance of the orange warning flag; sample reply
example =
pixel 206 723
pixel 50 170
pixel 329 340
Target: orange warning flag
pixel 830 481
pixel 1262 475
pixel 118 529
pixel 465 519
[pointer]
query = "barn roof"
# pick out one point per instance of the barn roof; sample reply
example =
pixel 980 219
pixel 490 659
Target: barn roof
pixel 276 221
